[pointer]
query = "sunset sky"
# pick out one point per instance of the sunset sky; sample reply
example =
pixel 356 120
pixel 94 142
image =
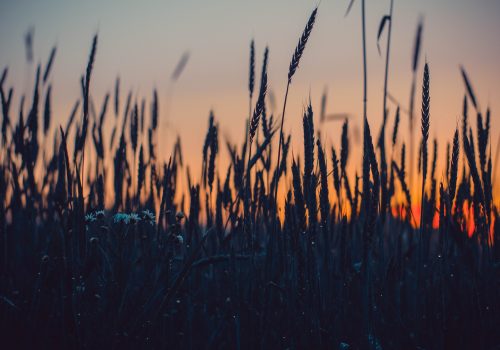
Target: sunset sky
pixel 142 41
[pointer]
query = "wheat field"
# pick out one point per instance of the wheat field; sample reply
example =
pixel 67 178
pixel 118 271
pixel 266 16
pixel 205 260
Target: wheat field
pixel 108 242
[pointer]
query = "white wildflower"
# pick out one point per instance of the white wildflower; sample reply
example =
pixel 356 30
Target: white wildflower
pixel 90 217
pixel 121 217
pixel 133 218
pixel 99 214
pixel 180 240
pixel 149 217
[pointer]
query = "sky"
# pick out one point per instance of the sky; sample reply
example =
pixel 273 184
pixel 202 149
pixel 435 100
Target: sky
pixel 142 41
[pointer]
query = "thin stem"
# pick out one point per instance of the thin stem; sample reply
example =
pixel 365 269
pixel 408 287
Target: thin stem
pixel 248 163
pixel 422 207
pixel 366 274
pixel 387 61
pixel 135 182
pixel 420 250
pixel 248 197
pixel 249 118
pixel 365 81
pixel 410 125
pixel 279 151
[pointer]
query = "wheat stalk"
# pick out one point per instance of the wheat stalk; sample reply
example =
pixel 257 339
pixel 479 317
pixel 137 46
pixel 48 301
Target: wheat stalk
pixel 294 63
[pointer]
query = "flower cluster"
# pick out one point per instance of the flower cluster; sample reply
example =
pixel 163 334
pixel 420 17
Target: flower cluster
pixel 121 217
pixel 149 217
pixel 133 218
pixel 92 217
pixel 127 218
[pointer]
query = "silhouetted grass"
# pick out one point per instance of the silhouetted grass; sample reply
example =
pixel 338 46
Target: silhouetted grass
pixel 128 250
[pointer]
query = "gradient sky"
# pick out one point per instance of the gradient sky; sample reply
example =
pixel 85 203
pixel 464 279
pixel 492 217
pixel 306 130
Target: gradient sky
pixel 143 40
